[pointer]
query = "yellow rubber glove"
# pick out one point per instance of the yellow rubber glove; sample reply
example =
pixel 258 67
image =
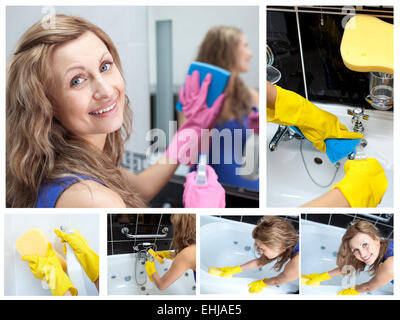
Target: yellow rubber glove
pixel 315 279
pixel 257 286
pixel 151 269
pixel 364 183
pixel 227 272
pixel 316 125
pixel 50 269
pixel 164 254
pixel 88 259
pixel 348 292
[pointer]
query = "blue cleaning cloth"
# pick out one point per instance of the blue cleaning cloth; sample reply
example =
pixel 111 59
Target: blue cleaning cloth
pixel 218 83
pixel 336 149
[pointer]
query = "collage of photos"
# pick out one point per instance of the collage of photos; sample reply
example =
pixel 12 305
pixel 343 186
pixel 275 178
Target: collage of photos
pixel 158 152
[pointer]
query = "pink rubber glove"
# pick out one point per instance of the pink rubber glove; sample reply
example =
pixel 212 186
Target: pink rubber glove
pixel 254 120
pixel 211 195
pixel 186 144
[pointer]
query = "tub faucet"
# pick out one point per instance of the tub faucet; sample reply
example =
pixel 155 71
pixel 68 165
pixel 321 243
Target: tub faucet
pixel 284 133
pixel 142 248
pixel 358 115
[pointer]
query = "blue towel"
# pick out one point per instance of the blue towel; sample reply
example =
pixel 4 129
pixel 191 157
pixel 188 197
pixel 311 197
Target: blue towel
pixel 336 149
pixel 218 83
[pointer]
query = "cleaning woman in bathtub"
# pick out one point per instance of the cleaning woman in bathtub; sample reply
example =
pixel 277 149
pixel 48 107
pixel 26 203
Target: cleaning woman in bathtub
pixel 364 183
pixel 276 241
pixel 183 255
pixel 362 247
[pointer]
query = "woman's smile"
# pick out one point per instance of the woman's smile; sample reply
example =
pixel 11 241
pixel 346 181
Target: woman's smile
pixel 106 111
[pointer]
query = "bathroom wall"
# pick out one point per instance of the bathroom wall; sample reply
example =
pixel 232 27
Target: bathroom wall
pixel 326 77
pixel 127 27
pixel 343 221
pixel 147 223
pixel 255 219
pixel 18 278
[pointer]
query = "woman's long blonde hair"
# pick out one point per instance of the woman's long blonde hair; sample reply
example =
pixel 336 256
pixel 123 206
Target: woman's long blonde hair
pixel 219 48
pixel 345 256
pixel 39 148
pixel 276 232
pixel 184 231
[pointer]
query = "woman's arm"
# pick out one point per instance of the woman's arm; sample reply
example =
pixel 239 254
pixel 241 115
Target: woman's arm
pixel 271 95
pixel 383 276
pixel 333 198
pixel 254 96
pixel 252 264
pixel 89 194
pixel 152 180
pixel 184 260
pixel 290 273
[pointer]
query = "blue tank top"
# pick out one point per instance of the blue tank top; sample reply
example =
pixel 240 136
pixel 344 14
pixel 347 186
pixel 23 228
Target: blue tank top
pixel 389 253
pixel 227 171
pixel 49 193
pixel 297 249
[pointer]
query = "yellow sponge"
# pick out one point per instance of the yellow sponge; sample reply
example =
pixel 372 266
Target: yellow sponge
pixel 155 256
pixel 214 271
pixel 367 45
pixel 34 242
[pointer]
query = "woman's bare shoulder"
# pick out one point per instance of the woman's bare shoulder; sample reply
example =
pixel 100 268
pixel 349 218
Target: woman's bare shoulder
pixel 254 96
pixel 89 194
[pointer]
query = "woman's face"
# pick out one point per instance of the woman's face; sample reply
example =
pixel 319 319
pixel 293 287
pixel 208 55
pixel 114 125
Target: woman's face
pixel 267 251
pixel 365 248
pixel 243 55
pixel 88 91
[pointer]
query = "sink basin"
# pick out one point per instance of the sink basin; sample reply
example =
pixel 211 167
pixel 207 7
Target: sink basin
pixel 289 184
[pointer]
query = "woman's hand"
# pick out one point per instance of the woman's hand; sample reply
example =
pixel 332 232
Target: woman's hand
pixel 364 183
pixel 49 268
pixel 257 286
pixel 317 125
pixel 187 142
pixel 211 195
pixel 88 259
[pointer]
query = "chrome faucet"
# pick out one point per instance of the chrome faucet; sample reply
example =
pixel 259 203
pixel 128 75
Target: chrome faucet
pixel 284 133
pixel 142 248
pixel 358 115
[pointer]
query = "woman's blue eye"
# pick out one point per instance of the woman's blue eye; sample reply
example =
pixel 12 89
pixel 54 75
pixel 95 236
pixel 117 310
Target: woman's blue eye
pixel 76 81
pixel 106 66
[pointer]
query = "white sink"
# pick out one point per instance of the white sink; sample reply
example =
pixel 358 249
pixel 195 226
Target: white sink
pixel 289 185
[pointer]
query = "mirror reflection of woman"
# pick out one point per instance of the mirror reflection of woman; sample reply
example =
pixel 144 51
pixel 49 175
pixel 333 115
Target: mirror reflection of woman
pixel 68 117
pixel 227 47
pixel 362 247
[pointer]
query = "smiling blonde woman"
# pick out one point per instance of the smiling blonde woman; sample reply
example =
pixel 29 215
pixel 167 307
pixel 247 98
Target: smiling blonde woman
pixel 68 117
pixel 362 247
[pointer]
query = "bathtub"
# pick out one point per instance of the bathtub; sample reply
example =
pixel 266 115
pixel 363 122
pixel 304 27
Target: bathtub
pixel 121 278
pixel 319 246
pixel 229 243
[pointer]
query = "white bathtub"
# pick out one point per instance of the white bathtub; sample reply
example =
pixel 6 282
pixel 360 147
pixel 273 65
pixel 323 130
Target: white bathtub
pixel 121 278
pixel 319 246
pixel 229 243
